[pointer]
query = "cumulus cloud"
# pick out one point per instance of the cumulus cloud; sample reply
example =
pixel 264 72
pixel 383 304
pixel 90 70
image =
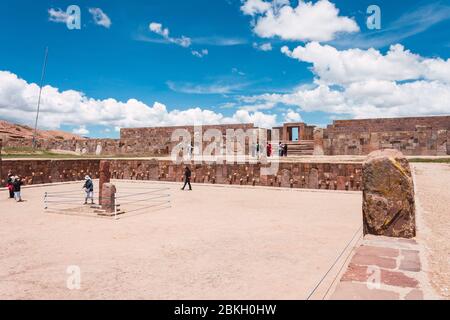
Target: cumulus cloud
pixel 165 33
pixel 292 116
pixel 18 100
pixel 100 18
pixel 332 66
pixel 367 83
pixel 309 21
pixel 81 130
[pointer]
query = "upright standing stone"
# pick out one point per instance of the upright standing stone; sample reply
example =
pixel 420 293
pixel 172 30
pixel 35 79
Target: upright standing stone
pixel 108 197
pixel 388 195
pixel 105 177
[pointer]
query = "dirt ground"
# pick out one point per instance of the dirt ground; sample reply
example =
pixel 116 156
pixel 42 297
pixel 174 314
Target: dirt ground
pixel 216 242
pixel 433 213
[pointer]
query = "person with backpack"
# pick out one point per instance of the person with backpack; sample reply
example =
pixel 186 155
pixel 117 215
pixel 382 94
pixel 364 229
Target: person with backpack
pixel 89 189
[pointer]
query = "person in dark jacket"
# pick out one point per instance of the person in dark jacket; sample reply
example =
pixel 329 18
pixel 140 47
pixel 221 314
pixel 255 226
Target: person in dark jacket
pixel 17 187
pixel 285 150
pixel 10 185
pixel 187 178
pixel 89 189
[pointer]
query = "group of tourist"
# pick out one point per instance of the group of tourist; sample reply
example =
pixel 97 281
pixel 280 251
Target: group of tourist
pixel 14 184
pixel 283 149
pixel 256 150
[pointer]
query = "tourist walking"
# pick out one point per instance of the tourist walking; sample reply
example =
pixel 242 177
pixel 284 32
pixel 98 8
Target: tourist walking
pixel 89 189
pixel 17 184
pixel 187 178
pixel 10 184
pixel 280 149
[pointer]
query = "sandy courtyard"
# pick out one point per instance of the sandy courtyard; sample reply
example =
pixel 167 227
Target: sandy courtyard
pixel 216 242
pixel 433 213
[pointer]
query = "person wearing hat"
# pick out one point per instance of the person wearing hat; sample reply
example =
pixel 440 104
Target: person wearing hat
pixel 89 189
pixel 17 184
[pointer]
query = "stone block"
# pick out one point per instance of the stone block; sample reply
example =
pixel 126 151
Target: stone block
pixel 388 195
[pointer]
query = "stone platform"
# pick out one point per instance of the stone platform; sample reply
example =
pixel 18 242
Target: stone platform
pixel 384 268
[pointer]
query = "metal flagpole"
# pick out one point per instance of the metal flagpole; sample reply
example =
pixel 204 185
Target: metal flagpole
pixel 39 100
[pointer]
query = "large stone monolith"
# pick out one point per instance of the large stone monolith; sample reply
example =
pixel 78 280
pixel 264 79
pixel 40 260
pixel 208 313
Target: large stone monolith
pixel 388 195
pixel 105 177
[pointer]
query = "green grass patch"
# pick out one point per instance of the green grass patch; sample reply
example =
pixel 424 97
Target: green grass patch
pixel 427 160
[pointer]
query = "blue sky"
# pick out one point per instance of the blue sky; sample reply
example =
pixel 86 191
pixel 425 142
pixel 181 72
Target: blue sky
pixel 127 60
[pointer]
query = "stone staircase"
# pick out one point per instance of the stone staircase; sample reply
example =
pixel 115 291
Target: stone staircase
pixel 301 148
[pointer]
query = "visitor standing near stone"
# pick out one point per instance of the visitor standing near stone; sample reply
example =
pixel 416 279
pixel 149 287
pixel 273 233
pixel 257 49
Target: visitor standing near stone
pixel 89 189
pixel 187 178
pixel 285 147
pixel 10 184
pixel 17 184
pixel 280 149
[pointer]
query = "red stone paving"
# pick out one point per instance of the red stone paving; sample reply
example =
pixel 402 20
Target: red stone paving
pixel 378 261
pixel 383 270
pixel 383 252
pixel 398 279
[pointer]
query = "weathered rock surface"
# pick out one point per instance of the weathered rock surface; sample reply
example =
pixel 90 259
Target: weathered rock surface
pixel 388 195
pixel 108 197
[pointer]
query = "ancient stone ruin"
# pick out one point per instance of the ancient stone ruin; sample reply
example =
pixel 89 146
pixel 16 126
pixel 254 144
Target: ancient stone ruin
pixel 412 136
pixel 388 195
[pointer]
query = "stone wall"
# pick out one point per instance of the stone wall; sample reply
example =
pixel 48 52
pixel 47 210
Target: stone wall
pixel 133 142
pixel 49 171
pixel 332 176
pixel 165 133
pixel 412 136
pixel 389 124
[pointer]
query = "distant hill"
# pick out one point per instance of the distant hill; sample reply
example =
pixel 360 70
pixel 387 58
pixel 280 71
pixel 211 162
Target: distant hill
pixel 17 131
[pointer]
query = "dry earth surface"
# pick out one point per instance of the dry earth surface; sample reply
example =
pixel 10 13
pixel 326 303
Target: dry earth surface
pixel 433 203
pixel 216 242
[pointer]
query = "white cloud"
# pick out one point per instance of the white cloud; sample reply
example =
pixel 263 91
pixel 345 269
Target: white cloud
pixel 292 116
pixel 100 18
pixel 200 54
pixel 368 99
pixel 253 7
pixel 219 87
pixel 165 33
pixel 58 15
pixel 18 100
pixel 81 130
pixel 319 21
pixel 263 47
pixel 332 66
pixel 367 83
